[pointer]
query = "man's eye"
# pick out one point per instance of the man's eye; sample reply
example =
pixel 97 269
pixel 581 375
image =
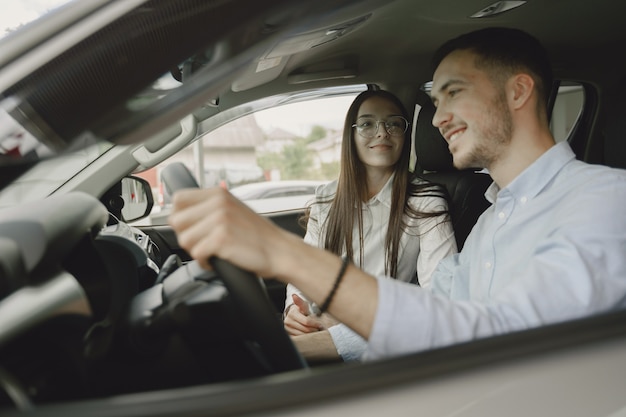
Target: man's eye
pixel 453 93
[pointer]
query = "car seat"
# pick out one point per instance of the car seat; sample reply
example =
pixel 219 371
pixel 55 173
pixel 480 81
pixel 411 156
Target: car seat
pixel 466 188
pixel 614 145
pixel 176 176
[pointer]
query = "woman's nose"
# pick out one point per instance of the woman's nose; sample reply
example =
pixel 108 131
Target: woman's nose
pixel 381 129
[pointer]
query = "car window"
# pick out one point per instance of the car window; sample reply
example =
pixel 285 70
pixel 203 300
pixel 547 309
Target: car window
pixel 567 109
pixel 20 13
pixel 277 153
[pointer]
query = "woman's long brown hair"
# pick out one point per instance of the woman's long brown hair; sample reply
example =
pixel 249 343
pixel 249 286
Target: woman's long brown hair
pixel 352 192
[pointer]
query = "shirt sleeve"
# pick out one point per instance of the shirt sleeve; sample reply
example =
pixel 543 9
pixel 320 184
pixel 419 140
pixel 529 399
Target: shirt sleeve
pixel 577 270
pixel 350 345
pixel 437 239
pixel 312 237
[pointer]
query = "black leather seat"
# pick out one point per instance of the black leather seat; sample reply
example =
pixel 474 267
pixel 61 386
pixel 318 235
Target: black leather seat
pixel 176 176
pixel 466 188
pixel 615 129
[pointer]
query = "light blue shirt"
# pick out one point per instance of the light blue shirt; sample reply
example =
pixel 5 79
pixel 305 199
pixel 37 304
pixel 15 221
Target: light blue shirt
pixel 552 247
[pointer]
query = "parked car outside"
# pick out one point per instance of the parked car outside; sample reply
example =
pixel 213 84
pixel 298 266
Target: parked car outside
pixel 273 189
pixel 278 196
pixel 233 175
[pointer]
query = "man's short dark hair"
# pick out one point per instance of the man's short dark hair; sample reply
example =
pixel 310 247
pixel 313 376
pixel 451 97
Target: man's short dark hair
pixel 504 49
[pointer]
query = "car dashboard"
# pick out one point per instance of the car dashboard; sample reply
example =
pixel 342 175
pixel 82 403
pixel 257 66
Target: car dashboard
pixel 85 312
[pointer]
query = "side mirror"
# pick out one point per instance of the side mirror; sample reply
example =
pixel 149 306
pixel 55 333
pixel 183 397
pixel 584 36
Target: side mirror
pixel 137 196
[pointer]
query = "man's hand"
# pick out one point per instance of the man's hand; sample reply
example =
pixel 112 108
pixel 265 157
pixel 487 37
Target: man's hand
pixel 212 222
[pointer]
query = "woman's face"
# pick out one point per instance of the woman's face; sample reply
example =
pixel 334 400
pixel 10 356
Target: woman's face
pixel 376 147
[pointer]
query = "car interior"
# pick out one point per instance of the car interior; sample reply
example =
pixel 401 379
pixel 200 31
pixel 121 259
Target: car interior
pixel 101 315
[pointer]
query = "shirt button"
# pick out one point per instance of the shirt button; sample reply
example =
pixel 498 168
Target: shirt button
pixel 501 215
pixel 487 265
pixel 524 200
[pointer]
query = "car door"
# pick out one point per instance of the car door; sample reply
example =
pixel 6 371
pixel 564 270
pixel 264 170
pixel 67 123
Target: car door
pixel 297 141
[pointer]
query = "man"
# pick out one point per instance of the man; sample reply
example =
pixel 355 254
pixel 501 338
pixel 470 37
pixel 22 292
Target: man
pixel 550 248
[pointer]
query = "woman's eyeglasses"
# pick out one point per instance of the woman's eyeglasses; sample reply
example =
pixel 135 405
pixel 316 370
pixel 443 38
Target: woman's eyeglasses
pixel 368 126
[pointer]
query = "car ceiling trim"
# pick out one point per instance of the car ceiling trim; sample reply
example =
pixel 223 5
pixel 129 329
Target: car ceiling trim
pixel 498 8
pixel 147 159
pixel 345 73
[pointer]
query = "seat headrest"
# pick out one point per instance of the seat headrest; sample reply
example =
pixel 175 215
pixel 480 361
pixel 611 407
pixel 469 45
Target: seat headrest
pixel 614 144
pixel 430 147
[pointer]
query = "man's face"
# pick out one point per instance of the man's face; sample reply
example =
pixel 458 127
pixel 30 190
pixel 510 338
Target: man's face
pixel 472 112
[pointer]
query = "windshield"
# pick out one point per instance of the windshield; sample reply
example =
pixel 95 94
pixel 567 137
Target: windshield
pixel 16 14
pixel 16 142
pixel 70 107
pixel 47 175
pixel 74 95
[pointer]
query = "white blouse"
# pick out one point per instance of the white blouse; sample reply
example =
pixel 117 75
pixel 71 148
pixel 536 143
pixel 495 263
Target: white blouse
pixel 424 243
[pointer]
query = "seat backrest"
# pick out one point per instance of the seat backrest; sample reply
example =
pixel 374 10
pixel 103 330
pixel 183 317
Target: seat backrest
pixel 466 188
pixel 176 176
pixel 615 128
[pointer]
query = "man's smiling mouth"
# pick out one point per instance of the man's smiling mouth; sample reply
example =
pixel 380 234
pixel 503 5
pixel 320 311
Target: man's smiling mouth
pixel 455 135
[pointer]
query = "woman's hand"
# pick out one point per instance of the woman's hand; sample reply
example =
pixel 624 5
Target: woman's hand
pixel 299 319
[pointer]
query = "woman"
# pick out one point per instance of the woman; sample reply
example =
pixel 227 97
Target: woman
pixel 401 229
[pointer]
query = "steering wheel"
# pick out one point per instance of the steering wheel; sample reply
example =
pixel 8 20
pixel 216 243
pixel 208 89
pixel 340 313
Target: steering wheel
pixel 247 292
pixel 258 316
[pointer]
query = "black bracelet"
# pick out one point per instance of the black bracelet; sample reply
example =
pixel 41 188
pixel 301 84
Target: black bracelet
pixel 331 294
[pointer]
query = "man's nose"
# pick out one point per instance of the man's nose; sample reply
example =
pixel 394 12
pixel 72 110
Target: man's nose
pixel 441 117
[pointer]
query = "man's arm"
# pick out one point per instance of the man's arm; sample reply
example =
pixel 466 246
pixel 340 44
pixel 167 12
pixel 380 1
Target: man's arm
pixel 317 347
pixel 211 222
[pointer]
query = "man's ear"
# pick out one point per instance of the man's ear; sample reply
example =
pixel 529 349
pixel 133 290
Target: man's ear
pixel 521 89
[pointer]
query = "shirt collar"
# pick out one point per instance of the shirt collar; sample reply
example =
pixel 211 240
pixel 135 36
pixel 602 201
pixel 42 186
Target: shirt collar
pixel 384 195
pixel 536 176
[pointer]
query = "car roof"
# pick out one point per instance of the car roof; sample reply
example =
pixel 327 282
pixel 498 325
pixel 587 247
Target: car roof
pixel 316 44
pixel 251 50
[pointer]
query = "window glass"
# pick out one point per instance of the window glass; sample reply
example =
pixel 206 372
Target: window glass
pixel 19 13
pixel 567 109
pixel 272 159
